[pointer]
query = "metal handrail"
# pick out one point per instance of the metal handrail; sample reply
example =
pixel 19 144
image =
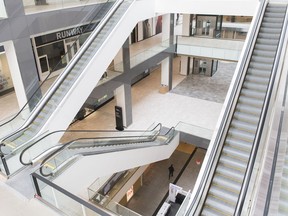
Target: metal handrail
pixel 71 64
pixel 225 120
pixel 261 121
pixel 69 144
pixel 76 131
pixel 46 78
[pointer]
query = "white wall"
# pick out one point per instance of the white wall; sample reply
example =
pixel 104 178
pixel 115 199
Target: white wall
pixel 220 7
pixel 3 13
pixel 92 167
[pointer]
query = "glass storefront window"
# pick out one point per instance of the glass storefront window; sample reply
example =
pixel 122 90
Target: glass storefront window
pixel 6 84
pixel 54 52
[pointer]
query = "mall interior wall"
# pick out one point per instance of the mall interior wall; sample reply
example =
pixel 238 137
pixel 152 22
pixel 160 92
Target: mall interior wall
pixel 220 7
pixel 93 166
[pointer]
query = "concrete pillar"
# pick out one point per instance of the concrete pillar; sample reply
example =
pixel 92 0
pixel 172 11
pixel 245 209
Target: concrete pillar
pixel 167 64
pixel 15 73
pixel 184 70
pixel 124 100
pixel 122 58
pixel 20 54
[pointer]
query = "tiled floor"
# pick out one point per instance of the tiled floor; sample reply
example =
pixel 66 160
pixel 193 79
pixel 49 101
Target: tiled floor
pixel 149 106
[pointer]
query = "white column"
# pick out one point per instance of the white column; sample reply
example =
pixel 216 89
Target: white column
pixel 165 72
pixel 118 61
pixel 185 32
pixel 123 100
pixel 15 73
pixel 165 27
pixel 165 62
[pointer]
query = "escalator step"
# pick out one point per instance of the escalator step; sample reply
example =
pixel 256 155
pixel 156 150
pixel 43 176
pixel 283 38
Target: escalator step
pixel 257 72
pixel 265 53
pixel 250 101
pixel 236 153
pixel 272 20
pixel 238 124
pixel 245 117
pixel 208 212
pixel 267 42
pixel 262 59
pixel 239 144
pixel 255 86
pixel 226 184
pixel 227 197
pixel 275 25
pixel 240 134
pixel 248 109
pixel 253 94
pixel 220 207
pixel 260 66
pixel 227 172
pixel 233 163
pixel 267 30
pixel 269 36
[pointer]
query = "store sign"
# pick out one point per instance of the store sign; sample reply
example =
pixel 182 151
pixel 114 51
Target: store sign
pixel 69 33
pixel 56 36
pixel 130 193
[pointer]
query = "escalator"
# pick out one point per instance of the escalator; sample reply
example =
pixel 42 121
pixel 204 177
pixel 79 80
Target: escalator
pixel 59 160
pixel 228 177
pixel 93 17
pixel 54 101
pixel 232 163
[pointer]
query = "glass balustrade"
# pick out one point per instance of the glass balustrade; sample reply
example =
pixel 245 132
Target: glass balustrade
pixel 37 6
pixel 11 124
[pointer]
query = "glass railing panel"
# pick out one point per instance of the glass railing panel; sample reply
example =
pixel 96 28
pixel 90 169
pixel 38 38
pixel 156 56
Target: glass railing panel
pixel 121 210
pixel 37 6
pixel 57 162
pixel 109 187
pixel 146 54
pixel 194 130
pixel 13 163
pixel 114 207
pixel 38 148
pixel 139 57
pixel 211 47
pixel 96 185
pixel 64 201
pixel 93 17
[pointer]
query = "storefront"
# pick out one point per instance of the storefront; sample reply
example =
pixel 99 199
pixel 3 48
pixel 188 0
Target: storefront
pixel 54 50
pixel 6 84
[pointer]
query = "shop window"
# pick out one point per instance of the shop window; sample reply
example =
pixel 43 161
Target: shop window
pixel 6 84
pixel 54 53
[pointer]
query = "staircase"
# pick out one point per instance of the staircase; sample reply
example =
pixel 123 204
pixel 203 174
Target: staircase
pixel 61 89
pixel 227 181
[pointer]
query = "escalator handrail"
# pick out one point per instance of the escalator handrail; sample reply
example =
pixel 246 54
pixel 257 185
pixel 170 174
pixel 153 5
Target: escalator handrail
pixel 90 153
pixel 46 78
pixel 194 203
pixel 76 131
pixel 262 119
pixel 67 145
pixel 67 69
